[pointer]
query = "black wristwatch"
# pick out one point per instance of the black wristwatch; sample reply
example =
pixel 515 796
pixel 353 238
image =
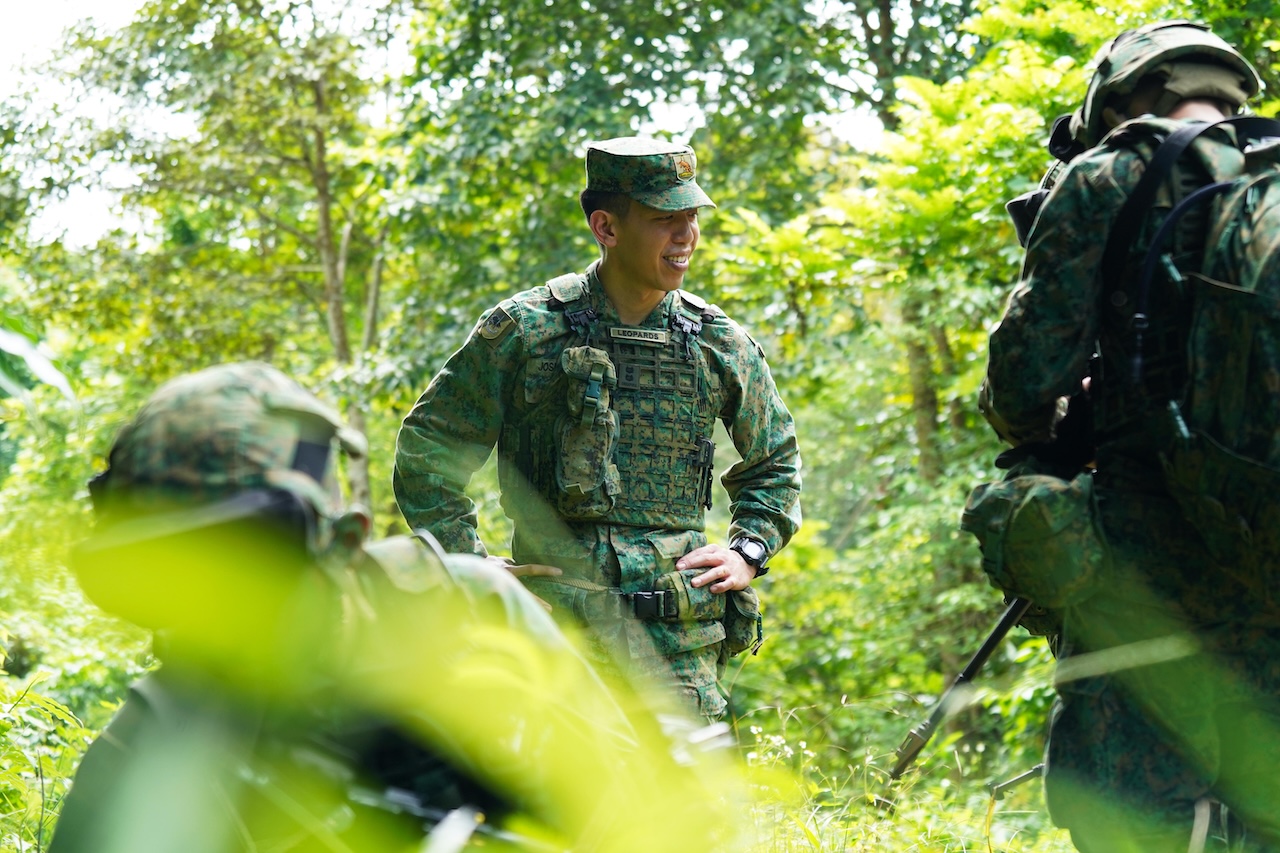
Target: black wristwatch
pixel 753 551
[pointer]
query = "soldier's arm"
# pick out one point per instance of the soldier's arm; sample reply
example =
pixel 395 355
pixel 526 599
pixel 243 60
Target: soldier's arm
pixel 1040 351
pixel 764 488
pixel 451 431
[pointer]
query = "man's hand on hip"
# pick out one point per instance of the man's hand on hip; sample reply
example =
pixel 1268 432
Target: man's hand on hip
pixel 725 569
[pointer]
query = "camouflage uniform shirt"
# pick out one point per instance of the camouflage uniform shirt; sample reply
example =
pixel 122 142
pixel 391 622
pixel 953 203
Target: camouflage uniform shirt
pixel 510 370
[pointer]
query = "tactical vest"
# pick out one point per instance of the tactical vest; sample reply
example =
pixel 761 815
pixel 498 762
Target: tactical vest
pixel 625 436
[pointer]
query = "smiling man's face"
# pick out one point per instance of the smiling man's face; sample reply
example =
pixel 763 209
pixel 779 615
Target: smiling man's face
pixel 654 247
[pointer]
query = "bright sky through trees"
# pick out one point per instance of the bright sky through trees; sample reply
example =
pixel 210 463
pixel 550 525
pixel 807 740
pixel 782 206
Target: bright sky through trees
pixel 31 33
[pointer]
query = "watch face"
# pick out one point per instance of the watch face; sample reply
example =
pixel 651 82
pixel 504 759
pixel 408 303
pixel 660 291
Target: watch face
pixel 751 550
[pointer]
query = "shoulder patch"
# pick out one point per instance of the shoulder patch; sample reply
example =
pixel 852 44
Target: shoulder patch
pixel 496 325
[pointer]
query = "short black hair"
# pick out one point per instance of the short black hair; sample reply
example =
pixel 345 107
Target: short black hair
pixel 619 204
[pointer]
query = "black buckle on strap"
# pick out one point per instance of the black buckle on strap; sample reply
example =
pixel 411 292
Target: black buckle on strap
pixel 691 328
pixel 582 320
pixel 653 604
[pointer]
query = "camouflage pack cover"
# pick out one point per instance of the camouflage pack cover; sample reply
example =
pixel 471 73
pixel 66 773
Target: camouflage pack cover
pixel 1224 470
pixel 1040 537
pixel 207 435
pixel 1134 54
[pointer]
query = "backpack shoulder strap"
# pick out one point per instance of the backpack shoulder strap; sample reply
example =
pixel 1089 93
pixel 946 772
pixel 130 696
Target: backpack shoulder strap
pixel 1132 214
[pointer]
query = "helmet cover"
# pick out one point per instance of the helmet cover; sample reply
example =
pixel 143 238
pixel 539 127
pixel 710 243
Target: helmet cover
pixel 1154 49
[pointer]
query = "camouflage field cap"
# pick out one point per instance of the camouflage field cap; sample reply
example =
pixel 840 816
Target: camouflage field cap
pixel 659 174
pixel 208 435
pixel 1200 63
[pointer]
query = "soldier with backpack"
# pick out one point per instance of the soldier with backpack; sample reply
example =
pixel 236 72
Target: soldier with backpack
pixel 1148 301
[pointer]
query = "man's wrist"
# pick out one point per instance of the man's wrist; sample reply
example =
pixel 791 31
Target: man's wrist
pixel 753 551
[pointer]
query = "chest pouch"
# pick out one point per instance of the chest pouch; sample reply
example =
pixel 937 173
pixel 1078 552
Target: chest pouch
pixel 586 436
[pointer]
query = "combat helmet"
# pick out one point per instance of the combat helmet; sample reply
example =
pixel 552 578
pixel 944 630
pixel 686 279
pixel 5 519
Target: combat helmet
pixel 1155 49
pixel 218 492
pixel 209 435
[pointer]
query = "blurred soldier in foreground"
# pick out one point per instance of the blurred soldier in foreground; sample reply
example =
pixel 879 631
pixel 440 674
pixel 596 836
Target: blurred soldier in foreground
pixel 1152 303
pixel 601 390
pixel 321 692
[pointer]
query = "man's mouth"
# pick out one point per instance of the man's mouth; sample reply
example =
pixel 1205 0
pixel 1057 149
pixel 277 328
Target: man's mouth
pixel 679 261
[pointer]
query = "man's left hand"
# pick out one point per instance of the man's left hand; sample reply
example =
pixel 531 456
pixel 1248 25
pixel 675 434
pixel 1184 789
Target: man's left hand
pixel 726 569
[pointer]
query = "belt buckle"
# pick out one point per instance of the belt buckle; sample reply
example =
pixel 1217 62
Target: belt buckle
pixel 650 604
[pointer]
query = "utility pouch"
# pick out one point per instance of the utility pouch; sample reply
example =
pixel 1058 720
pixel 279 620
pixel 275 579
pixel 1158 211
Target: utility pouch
pixel 586 436
pixel 1219 453
pixel 693 604
pixel 743 625
pixel 1230 501
pixel 1040 536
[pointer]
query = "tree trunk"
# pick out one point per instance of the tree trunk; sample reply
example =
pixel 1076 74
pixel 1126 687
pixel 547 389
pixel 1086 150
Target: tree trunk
pixel 330 262
pixel 374 295
pixel 333 261
pixel 924 395
pixel 956 408
pixel 358 469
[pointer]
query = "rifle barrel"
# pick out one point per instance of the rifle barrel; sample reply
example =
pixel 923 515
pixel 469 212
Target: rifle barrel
pixel 919 737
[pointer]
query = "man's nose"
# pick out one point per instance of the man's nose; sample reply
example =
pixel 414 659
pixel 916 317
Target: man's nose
pixel 684 230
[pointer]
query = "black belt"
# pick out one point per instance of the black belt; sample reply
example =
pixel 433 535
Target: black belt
pixel 646 604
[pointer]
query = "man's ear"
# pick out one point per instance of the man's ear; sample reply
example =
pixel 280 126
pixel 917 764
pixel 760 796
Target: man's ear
pixel 604 227
pixel 1112 117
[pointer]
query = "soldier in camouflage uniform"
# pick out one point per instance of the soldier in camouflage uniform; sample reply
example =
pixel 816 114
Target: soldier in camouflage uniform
pixel 1183 716
pixel 601 390
pixel 219 528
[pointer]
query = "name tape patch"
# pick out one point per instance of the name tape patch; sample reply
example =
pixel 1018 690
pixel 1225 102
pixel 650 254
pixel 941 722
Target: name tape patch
pixel 640 336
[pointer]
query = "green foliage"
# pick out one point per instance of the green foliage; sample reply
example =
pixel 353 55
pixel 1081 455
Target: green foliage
pixel 65 664
pixel 40 743
pixel 293 194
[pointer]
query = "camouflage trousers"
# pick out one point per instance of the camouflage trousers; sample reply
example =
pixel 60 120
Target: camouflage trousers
pixel 1168 691
pixel 692 676
pixel 623 647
